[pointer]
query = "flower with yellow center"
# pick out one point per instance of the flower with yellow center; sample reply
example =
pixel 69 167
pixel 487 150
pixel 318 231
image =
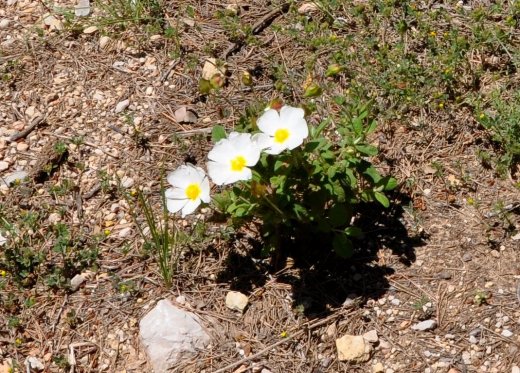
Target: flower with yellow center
pixel 190 189
pixel 285 129
pixel 230 158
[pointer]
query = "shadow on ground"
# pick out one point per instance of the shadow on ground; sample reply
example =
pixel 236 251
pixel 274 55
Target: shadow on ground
pixel 319 278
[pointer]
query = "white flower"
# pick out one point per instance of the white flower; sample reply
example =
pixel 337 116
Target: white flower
pixel 286 130
pixel 190 188
pixel 3 240
pixel 230 158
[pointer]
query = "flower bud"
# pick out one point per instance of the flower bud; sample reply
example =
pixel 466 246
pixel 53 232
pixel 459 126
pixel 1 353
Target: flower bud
pixel 312 90
pixel 333 70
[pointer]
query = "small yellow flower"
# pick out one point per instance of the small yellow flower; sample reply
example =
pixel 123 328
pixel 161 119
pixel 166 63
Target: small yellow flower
pixel 433 34
pixel 470 201
pixel 18 341
pixel 3 273
pixel 106 232
pixel 283 334
pixel 441 105
pixel 482 116
pixel 133 192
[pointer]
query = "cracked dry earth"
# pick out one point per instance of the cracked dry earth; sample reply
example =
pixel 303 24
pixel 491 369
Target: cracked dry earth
pixel 444 254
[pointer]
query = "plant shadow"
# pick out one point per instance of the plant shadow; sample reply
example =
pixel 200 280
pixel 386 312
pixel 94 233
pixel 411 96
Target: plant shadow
pixel 320 279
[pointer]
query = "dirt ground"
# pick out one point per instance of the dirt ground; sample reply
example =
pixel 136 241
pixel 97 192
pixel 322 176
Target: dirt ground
pixel 446 250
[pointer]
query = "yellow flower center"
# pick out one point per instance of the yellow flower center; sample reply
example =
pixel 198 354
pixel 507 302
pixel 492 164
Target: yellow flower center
pixel 281 135
pixel 238 163
pixel 193 191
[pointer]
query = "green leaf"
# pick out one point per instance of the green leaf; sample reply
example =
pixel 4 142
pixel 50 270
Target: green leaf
pixel 372 127
pixel 278 164
pixel 388 183
pixel 339 215
pixel 218 133
pixel 354 232
pixel 342 245
pixel 382 199
pixel 373 174
pixel 366 149
pixel 311 146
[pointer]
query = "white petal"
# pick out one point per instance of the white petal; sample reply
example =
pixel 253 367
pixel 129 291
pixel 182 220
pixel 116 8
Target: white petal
pixel 180 177
pixel 298 134
pixel 174 205
pixel 261 140
pixel 3 240
pixel 235 176
pixel 290 115
pixel 190 207
pixel 218 172
pixel 252 155
pixel 221 152
pixel 276 148
pixel 205 190
pixel 269 122
pixel 175 193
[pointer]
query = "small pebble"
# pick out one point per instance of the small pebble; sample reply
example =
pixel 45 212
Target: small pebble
pixel 467 257
pixel 506 333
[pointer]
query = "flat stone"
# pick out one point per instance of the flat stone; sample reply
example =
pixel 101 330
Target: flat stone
pixel 13 177
pixel 378 368
pixel 371 336
pixel 515 369
pixel 122 105
pixel 82 9
pixel 467 257
pixel 90 30
pixel 4 165
pixel 236 301
pixel 425 325
pixel 353 348
pixel 185 115
pixel 77 281
pixel 52 22
pixel 32 362
pixel 4 23
pixel 506 333
pixel 170 334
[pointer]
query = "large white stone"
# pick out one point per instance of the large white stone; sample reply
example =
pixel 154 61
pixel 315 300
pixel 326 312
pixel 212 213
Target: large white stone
pixel 353 348
pixel 169 334
pixel 236 301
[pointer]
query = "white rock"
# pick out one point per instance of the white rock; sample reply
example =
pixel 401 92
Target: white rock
pixel 76 281
pixel 210 69
pixel 82 9
pixel 506 333
pixel 516 237
pixel 515 369
pixel 425 325
pixel 122 105
pixel 169 333
pixel 4 23
pixel 33 363
pixel 371 336
pixel 4 165
pixel 378 368
pixel 90 30
pixel 353 348
pixel 103 41
pixel 185 115
pixel 13 177
pixel 54 218
pixel 52 22
pixel 307 8
pixel 127 182
pixel 395 302
pixel 236 301
pixel 125 232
